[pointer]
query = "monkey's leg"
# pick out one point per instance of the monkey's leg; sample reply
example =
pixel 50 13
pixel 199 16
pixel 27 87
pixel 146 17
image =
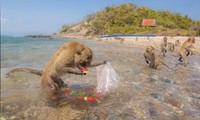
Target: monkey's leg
pixel 58 81
pixel 180 59
pixel 188 52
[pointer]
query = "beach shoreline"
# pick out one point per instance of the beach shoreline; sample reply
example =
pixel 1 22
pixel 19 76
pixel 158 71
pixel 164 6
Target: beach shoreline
pixel 153 41
pixel 134 40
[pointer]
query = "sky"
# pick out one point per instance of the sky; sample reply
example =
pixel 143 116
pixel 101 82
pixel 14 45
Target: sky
pixel 24 17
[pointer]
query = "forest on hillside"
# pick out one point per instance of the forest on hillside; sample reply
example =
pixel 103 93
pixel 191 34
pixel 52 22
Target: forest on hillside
pixel 127 19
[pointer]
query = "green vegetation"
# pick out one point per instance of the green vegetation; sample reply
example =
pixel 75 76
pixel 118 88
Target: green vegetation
pixel 127 19
pixel 65 28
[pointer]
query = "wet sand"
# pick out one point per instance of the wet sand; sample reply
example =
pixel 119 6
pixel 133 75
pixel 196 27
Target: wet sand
pixel 143 93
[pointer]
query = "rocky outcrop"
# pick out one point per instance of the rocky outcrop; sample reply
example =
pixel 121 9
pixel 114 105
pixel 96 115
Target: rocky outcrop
pixel 76 31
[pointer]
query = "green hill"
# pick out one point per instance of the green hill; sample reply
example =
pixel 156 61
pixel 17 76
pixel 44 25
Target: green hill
pixel 127 19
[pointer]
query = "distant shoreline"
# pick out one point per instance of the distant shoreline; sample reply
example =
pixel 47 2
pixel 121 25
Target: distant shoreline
pixel 38 36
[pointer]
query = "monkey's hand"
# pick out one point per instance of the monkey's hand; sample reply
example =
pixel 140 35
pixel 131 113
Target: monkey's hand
pixel 105 62
pixel 147 61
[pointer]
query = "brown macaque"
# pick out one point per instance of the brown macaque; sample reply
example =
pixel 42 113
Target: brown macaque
pixel 70 58
pixel 186 49
pixel 177 43
pixel 170 46
pixel 121 40
pixel 163 45
pixel 151 58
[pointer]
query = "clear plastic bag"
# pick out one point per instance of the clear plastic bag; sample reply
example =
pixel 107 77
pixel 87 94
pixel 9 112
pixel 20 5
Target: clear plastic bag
pixel 107 79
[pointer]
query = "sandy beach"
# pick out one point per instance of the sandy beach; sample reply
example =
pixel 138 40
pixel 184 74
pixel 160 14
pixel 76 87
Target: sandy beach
pixel 153 41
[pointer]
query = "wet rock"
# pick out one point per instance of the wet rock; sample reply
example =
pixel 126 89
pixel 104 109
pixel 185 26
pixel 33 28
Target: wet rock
pixel 174 117
pixel 167 81
pixel 153 79
pixel 196 96
pixel 196 104
pixel 155 95
pixel 161 117
pixel 11 108
pixel 173 101
pixel 152 112
pixel 99 113
pixel 129 114
pixel 32 113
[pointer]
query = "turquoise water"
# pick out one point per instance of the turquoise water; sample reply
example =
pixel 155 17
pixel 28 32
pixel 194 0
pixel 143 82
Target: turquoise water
pixel 19 51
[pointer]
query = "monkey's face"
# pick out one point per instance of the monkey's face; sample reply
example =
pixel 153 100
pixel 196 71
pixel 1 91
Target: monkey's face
pixel 83 58
pixel 191 39
pixel 150 49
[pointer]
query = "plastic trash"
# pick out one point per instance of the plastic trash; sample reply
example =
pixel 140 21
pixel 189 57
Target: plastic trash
pixel 107 79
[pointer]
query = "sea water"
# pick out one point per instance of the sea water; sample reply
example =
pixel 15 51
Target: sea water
pixel 143 93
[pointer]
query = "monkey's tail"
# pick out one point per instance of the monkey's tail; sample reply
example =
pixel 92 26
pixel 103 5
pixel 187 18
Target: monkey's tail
pixel 37 72
pixel 167 66
pixel 154 43
pixel 176 55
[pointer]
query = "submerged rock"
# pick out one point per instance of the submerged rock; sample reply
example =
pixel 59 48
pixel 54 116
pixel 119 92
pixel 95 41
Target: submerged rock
pixel 173 101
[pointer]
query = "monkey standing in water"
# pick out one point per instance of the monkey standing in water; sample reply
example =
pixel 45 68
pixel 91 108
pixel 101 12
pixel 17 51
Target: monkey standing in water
pixel 177 43
pixel 71 57
pixel 170 46
pixel 151 58
pixel 186 49
pixel 121 40
pixel 163 46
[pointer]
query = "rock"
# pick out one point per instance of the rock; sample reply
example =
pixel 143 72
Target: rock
pixel 173 101
pixel 99 113
pixel 155 95
pixel 167 81
pixel 129 113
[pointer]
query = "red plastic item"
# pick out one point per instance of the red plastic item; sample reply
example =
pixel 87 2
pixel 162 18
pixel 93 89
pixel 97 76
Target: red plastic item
pixel 90 99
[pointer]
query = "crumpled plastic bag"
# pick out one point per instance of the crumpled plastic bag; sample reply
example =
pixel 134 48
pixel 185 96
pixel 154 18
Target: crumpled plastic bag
pixel 107 79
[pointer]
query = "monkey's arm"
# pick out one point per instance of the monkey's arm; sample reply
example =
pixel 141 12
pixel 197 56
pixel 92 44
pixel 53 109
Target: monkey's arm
pixel 94 64
pixel 64 69
pixel 145 57
pixel 191 50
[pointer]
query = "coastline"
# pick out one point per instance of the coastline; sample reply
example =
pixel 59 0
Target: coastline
pixel 138 41
pixel 154 41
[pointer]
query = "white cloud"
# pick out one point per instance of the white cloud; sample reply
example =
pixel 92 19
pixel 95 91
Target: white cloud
pixel 3 20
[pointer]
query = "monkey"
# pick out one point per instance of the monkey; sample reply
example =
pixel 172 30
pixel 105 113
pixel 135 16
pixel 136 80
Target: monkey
pixel 151 58
pixel 185 49
pixel 170 46
pixel 163 46
pixel 70 58
pixel 136 39
pixel 121 40
pixel 177 43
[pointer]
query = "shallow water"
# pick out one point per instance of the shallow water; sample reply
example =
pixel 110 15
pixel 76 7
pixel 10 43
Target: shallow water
pixel 143 93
